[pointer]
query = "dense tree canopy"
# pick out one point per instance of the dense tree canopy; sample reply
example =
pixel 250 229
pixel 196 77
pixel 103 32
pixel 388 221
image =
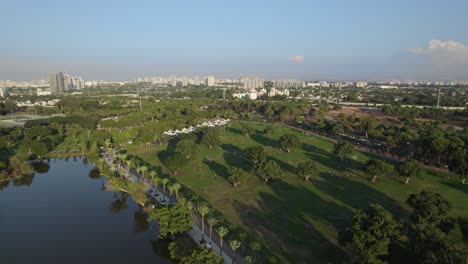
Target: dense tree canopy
pixel 255 154
pixel 370 234
pixel 172 219
pixel 203 255
pixel 289 142
pixel 268 170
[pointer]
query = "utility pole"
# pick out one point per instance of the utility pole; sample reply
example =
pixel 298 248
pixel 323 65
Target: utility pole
pixel 139 95
pixel 438 98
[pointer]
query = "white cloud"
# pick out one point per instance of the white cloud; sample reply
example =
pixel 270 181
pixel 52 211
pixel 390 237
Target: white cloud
pixel 446 48
pixel 296 58
pixel 448 59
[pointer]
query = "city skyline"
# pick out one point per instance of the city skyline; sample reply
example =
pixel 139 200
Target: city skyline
pixel 305 40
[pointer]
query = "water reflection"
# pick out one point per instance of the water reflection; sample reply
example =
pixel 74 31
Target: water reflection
pixel 40 166
pixel 140 223
pixel 23 180
pixel 75 220
pixel 120 203
pixel 94 173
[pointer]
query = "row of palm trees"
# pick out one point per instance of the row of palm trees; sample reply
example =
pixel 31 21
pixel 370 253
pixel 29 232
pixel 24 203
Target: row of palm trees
pixel 154 180
pixel 222 231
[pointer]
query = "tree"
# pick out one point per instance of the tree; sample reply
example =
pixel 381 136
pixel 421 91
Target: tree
pixel 181 248
pixel 370 234
pixel 101 163
pixel 288 142
pixel 211 222
pixel 154 178
pixel 187 148
pixel 430 209
pixel 247 130
pixel 268 130
pixel 143 170
pixel 202 255
pixel 459 165
pixel 268 170
pixel 236 175
pixel 164 182
pixel 431 222
pixel 39 148
pixel 203 210
pixel 176 187
pixel 255 154
pixel 234 245
pixel 409 169
pixel 172 219
pixel 222 232
pixel 343 149
pixel 376 168
pixel 174 162
pixel 210 137
pixel 307 169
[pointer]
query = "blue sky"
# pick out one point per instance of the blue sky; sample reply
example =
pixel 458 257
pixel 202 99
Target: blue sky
pixel 331 40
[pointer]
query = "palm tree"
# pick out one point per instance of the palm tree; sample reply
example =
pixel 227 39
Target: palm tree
pixel 164 182
pixel 189 206
pixel 101 163
pixel 171 191
pixel 222 231
pixel 143 170
pixel 176 186
pixel 203 211
pixel 129 164
pixel 211 222
pixel 234 245
pixel 153 174
pixel 113 169
pixel 107 143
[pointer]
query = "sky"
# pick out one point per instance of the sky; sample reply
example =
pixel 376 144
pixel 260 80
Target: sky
pixel 309 40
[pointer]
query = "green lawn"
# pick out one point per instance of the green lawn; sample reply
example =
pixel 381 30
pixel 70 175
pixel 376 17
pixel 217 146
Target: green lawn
pixel 299 221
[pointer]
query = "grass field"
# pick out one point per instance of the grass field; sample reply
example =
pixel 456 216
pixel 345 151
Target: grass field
pixel 297 220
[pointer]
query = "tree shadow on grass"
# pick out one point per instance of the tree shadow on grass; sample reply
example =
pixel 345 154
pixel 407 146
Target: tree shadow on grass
pixel 267 142
pixel 234 157
pixel 284 166
pixel 217 168
pixel 289 220
pixel 355 194
pixel 458 186
pixel 235 131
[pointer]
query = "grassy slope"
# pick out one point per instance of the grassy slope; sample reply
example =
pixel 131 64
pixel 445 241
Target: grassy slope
pixel 298 220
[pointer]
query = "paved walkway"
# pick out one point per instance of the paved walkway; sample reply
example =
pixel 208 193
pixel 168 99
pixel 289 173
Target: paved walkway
pixel 157 194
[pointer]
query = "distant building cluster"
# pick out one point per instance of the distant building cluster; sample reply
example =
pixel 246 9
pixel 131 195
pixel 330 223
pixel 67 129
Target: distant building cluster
pixel 180 81
pixel 22 84
pixel 282 84
pixel 253 94
pixel 61 82
pixel 249 83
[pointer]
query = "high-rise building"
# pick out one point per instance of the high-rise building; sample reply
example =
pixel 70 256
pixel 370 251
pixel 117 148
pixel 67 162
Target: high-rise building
pixel 209 81
pixel 252 83
pixel 2 92
pixel 60 82
pixel 67 83
pixel 53 83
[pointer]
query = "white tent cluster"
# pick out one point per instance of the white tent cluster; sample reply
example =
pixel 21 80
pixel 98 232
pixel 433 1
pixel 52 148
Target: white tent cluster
pixel 214 123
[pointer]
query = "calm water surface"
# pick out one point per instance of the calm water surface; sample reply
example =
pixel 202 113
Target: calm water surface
pixel 64 215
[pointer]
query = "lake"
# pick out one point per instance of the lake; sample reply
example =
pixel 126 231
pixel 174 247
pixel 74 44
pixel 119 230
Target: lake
pixel 63 214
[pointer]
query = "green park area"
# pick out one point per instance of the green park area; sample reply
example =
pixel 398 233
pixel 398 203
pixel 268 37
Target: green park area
pixel 298 221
